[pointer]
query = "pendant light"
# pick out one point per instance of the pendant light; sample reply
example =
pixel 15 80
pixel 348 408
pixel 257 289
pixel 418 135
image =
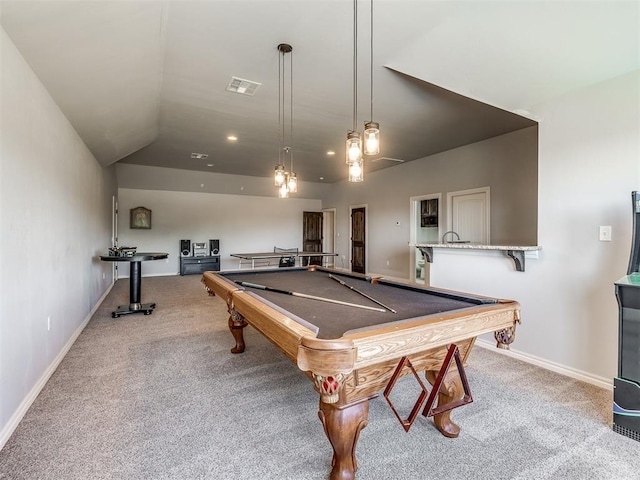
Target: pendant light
pixel 356 173
pixel 353 151
pixel 287 182
pixel 371 128
pixel 279 175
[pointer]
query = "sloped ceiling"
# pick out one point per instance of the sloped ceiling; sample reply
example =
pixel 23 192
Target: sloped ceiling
pixel 144 81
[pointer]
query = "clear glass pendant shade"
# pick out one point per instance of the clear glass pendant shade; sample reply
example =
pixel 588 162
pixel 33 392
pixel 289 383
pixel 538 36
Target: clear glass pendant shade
pixel 371 138
pixel 353 148
pixel 356 171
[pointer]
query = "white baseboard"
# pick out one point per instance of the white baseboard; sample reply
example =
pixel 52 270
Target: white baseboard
pixel 162 274
pixel 601 382
pixel 15 419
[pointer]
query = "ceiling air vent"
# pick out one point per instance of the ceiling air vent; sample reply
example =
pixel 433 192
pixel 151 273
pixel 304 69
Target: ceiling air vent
pixel 240 85
pixel 199 156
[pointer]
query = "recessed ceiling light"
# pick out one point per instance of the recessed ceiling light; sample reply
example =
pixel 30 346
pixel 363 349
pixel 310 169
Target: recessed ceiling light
pixel 210 164
pixel 232 138
pixel 321 178
pixel 331 152
pixel 199 156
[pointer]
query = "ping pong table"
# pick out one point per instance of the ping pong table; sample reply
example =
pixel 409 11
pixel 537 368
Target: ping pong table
pixel 285 257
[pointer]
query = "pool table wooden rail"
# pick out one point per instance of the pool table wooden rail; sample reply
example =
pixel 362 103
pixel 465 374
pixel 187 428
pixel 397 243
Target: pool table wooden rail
pixel 396 341
pixel 350 370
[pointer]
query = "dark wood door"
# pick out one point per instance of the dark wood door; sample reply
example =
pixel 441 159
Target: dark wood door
pixel 312 236
pixel 358 240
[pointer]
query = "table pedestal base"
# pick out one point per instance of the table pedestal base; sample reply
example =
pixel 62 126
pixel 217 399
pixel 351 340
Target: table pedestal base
pixel 146 308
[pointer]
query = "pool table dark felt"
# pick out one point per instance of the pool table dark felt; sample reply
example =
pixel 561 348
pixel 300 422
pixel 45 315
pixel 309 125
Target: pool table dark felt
pixel 333 320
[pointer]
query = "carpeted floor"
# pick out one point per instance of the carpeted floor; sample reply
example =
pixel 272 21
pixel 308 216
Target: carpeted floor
pixel 161 397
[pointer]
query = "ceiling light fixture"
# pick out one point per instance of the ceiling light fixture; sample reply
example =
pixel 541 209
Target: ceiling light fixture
pixel 371 128
pixel 353 154
pixel 286 181
pixel 232 138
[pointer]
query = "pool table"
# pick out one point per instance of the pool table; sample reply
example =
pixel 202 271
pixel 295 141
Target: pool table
pixel 350 346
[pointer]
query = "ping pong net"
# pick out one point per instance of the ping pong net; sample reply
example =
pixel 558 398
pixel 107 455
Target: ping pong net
pixel 288 258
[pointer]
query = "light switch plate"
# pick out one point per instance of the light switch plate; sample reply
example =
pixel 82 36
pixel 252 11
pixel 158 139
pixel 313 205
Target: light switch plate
pixel 605 233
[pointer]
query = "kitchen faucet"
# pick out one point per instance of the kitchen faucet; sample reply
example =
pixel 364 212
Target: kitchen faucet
pixel 447 233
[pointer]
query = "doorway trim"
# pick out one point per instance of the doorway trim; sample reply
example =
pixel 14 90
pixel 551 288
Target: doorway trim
pixel 329 242
pixel 414 208
pixel 114 235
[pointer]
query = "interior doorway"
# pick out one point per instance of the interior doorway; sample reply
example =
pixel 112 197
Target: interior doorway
pixel 425 227
pixel 328 234
pixel 359 238
pixel 312 223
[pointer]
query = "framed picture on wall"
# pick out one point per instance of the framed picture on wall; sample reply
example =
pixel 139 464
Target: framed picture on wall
pixel 139 217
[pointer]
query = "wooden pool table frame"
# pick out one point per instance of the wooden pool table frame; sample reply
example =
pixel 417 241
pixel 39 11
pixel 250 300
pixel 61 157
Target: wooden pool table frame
pixel 350 370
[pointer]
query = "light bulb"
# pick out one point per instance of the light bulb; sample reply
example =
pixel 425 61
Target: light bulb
pixel 354 147
pixel 354 153
pixel 356 173
pixel 292 183
pixel 283 192
pixel 372 138
pixel 279 175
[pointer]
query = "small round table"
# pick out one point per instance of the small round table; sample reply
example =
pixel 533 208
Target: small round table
pixel 135 282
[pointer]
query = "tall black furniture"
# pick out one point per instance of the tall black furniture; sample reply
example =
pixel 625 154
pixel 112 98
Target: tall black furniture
pixel 193 265
pixel 135 282
pixel 185 248
pixel 626 394
pixel 214 247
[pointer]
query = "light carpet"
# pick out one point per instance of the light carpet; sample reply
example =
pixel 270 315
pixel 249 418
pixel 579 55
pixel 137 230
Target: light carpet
pixel 161 397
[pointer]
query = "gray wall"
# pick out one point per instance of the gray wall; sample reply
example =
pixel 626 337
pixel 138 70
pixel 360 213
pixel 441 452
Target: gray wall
pixel 589 164
pixel 154 178
pixel 242 223
pixel 55 218
pixel 507 164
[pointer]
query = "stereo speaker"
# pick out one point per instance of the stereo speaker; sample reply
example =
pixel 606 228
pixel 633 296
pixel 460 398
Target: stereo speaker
pixel 214 247
pixel 185 248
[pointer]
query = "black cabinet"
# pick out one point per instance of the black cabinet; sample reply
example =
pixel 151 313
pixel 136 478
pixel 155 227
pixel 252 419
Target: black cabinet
pixel 194 265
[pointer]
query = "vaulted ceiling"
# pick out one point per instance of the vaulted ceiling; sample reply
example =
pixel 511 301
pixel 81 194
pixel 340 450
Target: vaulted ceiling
pixel 144 81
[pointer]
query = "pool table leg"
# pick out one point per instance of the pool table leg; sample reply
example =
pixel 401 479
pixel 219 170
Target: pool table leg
pixel 236 325
pixel 450 391
pixel 342 425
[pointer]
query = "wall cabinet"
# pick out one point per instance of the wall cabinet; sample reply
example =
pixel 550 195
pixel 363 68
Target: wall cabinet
pixel 429 213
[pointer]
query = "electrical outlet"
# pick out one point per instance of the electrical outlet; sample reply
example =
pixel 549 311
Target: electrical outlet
pixel 605 233
pixel 387 263
pixel 48 324
pixel 103 275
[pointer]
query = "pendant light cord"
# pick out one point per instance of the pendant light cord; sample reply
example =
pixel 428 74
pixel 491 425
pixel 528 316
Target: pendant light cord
pixel 291 108
pixel 355 63
pixel 371 119
pixel 280 125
